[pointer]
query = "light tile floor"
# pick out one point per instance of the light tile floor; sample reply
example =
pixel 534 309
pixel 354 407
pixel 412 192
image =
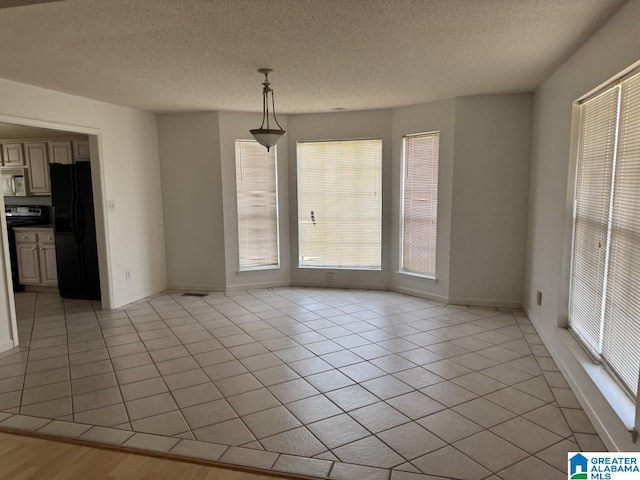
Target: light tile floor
pixel 344 384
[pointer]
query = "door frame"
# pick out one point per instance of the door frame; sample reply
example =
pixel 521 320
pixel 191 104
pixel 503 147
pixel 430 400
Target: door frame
pixel 99 202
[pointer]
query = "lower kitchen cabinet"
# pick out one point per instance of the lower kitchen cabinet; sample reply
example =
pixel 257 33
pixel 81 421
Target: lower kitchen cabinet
pixel 36 256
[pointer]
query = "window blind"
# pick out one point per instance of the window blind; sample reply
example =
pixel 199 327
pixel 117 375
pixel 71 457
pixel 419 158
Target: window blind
pixel 621 349
pixel 591 216
pixel 340 204
pixel 604 300
pixel 420 203
pixel 257 198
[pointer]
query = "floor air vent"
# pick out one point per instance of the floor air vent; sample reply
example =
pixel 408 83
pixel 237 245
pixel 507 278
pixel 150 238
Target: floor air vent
pixel 194 294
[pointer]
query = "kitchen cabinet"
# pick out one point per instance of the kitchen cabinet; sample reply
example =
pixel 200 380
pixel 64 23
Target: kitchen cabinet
pixel 12 154
pixel 36 256
pixel 81 150
pixel 37 168
pixel 61 152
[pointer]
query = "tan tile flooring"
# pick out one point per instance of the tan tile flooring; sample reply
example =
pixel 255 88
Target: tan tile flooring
pixel 345 384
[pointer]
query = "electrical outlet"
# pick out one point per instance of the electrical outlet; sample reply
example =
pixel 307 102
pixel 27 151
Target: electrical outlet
pixel 111 205
pixel 127 275
pixel 331 276
pixel 538 298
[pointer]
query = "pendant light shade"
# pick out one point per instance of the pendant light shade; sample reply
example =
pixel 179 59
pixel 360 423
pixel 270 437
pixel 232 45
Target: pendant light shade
pixel 265 135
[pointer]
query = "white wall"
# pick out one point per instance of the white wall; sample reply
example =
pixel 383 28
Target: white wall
pixel 192 200
pixel 128 157
pixel 608 52
pixel 490 199
pixel 337 126
pixel 236 126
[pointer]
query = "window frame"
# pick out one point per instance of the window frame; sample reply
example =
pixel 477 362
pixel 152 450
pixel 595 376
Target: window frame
pixel 298 198
pixel 401 269
pixel 617 396
pixel 258 268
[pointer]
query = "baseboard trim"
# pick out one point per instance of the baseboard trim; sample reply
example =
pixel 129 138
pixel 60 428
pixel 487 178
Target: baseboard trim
pixel 420 294
pixel 198 287
pixel 138 296
pixel 256 285
pixel 476 302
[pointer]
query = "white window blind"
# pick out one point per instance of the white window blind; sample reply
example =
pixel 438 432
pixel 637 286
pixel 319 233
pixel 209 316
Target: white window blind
pixel 621 347
pixel 420 203
pixel 340 204
pixel 257 197
pixel 604 297
pixel 591 216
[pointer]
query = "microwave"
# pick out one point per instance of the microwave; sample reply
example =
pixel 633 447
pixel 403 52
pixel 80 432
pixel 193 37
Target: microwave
pixel 13 183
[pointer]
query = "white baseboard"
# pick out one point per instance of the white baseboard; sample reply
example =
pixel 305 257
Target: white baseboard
pixel 197 287
pixel 420 294
pixel 346 286
pixel 8 345
pixel 138 296
pixel 477 302
pixel 256 285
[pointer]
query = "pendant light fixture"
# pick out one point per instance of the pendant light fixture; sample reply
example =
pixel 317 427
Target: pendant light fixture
pixel 267 137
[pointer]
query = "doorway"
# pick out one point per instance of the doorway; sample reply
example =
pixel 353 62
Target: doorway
pixel 43 143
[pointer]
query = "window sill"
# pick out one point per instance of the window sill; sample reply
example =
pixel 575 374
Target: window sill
pixel 613 393
pixel 243 271
pixel 341 269
pixel 418 275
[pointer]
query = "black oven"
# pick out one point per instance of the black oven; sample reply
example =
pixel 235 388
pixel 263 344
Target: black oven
pixel 22 216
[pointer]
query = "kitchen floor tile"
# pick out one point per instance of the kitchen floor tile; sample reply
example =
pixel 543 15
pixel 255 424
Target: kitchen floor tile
pixel 369 451
pixel 379 417
pixel 312 409
pixel 449 462
pixel 526 435
pixel 270 422
pixel 338 430
pixel 415 405
pixel 411 440
pixel 482 447
pixel 449 425
pixel 268 374
pixel 253 401
pixel 232 432
pixel 208 413
pixel 299 441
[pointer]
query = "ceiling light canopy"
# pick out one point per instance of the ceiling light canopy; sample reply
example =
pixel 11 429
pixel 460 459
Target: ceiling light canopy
pixel 267 137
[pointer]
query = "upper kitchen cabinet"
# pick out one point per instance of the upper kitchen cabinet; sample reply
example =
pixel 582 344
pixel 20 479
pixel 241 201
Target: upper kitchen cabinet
pixel 38 168
pixel 61 152
pixel 81 150
pixel 12 155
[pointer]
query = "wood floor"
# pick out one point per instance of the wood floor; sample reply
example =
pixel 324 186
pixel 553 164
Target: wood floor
pixel 26 458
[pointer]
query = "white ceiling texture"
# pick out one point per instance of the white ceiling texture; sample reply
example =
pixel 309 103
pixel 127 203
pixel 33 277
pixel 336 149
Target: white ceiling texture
pixel 193 55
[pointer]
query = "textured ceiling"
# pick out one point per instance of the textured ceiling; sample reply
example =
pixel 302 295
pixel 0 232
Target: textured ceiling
pixel 189 55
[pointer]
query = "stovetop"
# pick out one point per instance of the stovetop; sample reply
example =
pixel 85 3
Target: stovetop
pixel 23 215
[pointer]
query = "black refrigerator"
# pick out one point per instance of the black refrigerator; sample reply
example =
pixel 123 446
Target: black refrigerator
pixel 75 231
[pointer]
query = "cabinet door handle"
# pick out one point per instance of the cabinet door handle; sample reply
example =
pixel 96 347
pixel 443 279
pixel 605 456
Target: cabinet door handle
pixel 34 248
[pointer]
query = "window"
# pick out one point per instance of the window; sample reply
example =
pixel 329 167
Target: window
pixel 420 203
pixel 604 295
pixel 340 204
pixel 257 196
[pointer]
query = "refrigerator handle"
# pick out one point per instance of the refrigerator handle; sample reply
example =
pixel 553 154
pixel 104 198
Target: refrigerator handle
pixel 80 226
pixel 74 206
